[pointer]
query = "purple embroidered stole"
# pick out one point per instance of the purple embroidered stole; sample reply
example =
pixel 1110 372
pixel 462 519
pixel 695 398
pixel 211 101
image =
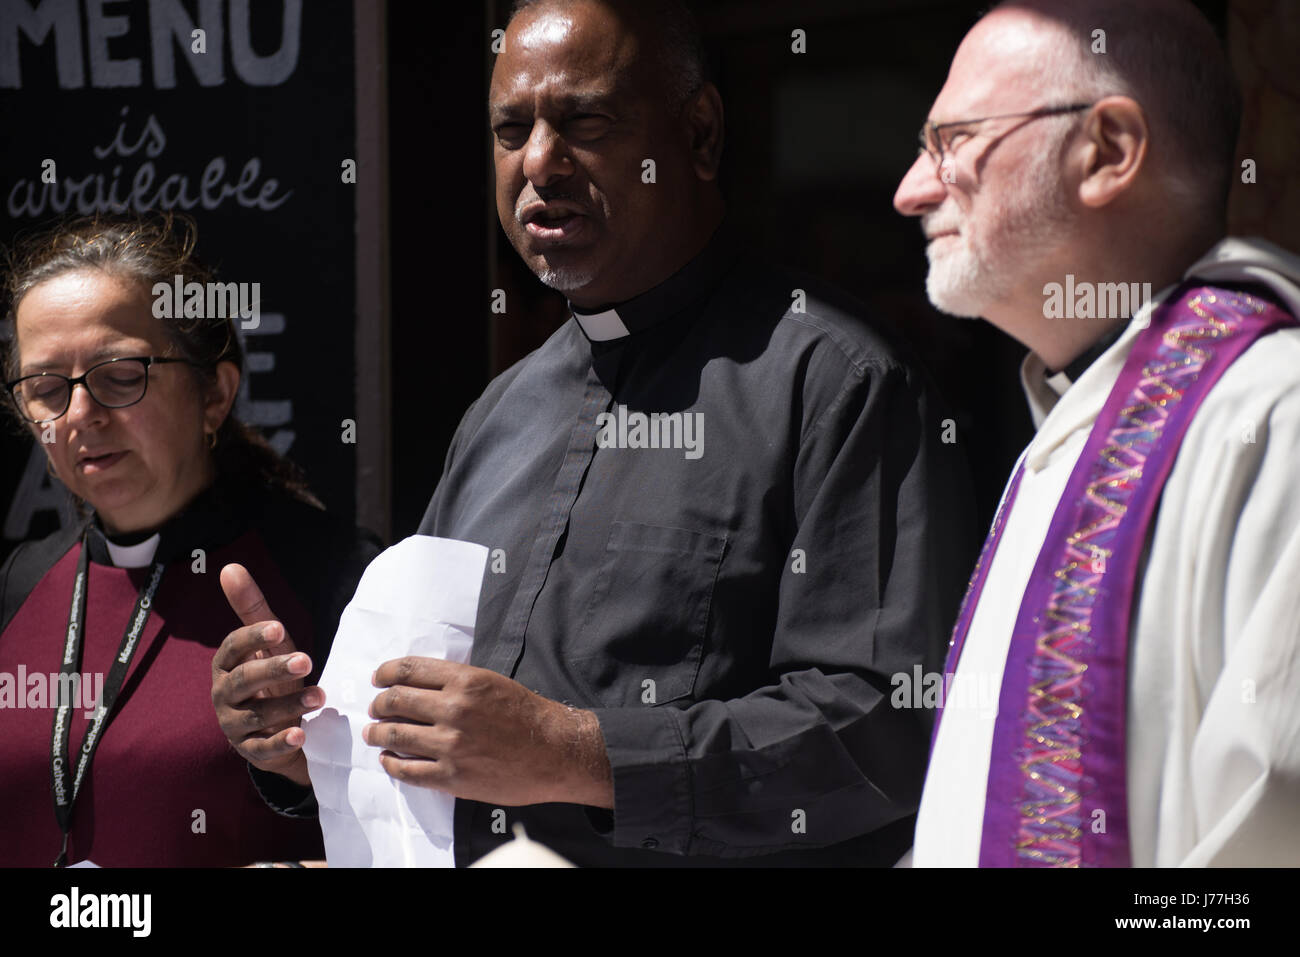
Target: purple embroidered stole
pixel 1058 754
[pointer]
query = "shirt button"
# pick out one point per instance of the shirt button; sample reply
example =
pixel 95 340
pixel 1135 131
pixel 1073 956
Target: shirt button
pixel 650 843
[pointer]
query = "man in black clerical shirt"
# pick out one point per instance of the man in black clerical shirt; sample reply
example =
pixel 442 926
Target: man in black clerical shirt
pixel 724 513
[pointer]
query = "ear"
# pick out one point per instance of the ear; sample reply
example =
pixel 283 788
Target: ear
pixel 1114 150
pixel 221 396
pixel 703 119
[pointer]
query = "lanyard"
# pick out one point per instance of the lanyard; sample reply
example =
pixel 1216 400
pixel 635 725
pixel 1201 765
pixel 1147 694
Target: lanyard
pixel 60 760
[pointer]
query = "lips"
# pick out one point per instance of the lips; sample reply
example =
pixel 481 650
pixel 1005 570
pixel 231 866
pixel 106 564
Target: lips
pixel 92 463
pixel 556 221
pixel 940 223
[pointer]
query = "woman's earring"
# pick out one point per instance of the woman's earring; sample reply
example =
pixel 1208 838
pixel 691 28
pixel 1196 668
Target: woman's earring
pixel 212 440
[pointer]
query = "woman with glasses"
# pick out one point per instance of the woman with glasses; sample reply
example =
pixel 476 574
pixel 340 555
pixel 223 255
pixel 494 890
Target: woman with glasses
pixel 109 747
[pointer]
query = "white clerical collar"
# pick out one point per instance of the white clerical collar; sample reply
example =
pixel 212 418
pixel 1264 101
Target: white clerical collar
pixel 1059 382
pixel 134 556
pixel 689 286
pixel 1044 388
pixel 601 326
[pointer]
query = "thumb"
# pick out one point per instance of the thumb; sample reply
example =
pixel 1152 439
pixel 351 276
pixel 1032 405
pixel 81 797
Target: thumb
pixel 248 602
pixel 245 598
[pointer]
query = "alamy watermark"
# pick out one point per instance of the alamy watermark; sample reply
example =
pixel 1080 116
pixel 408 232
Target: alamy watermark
pixel 1089 300
pixel 208 300
pixel 40 690
pixel 652 430
pixel 977 692
pixel 74 909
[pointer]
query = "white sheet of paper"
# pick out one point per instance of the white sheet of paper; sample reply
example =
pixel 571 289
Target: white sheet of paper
pixel 419 597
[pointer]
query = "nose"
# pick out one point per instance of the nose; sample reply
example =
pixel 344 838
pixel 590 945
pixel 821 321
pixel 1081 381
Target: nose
pixel 546 155
pixel 921 188
pixel 83 410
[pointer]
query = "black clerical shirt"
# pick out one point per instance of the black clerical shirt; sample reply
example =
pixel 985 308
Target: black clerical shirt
pixel 722 517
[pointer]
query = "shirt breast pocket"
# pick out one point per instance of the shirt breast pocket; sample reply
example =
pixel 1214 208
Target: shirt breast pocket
pixel 644 632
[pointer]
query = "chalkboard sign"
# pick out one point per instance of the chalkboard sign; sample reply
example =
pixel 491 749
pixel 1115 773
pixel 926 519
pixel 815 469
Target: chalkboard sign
pixel 241 114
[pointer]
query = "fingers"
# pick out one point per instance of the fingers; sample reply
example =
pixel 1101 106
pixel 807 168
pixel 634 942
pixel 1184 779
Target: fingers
pixel 246 680
pixel 416 672
pixel 414 704
pixel 415 741
pixel 245 643
pixel 245 598
pixel 259 717
pixel 418 771
pixel 271 749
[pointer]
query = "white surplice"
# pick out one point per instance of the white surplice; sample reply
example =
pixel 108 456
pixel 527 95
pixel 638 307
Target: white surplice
pixel 1213 729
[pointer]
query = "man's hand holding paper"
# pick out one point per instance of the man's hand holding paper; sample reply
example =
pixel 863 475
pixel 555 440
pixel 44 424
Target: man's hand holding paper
pixel 482 736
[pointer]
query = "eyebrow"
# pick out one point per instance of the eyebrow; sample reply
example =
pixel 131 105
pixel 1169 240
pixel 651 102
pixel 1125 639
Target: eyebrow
pixel 594 102
pixel 949 123
pixel 99 355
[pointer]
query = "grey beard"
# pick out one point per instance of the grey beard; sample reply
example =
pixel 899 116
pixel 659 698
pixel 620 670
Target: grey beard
pixel 957 291
pixel 566 280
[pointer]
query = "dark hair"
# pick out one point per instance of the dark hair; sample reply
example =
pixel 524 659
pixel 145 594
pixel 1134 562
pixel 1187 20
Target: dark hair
pixel 151 248
pixel 681 51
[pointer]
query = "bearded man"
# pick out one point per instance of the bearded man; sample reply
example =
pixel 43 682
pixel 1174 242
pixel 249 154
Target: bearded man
pixel 1135 609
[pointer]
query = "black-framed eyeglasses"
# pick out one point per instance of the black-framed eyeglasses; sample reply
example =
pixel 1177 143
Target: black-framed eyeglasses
pixel 936 138
pixel 114 384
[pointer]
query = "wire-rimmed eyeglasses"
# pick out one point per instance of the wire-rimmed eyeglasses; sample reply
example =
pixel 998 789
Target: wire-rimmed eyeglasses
pixel 936 139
